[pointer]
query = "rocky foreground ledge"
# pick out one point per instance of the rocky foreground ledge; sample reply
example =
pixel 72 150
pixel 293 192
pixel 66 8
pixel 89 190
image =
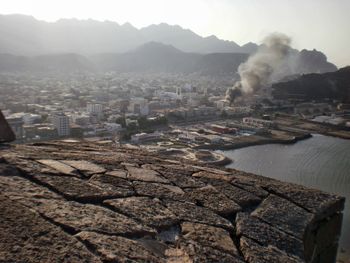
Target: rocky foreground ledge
pixel 83 202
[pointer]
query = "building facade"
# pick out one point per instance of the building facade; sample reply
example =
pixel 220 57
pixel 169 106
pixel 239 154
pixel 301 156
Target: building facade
pixel 61 123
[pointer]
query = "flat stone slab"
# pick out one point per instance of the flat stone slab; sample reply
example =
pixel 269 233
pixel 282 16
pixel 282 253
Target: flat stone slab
pixel 118 249
pixel 182 180
pixel 118 173
pixel 160 191
pixel 27 237
pixel 265 234
pixel 255 253
pixel 241 197
pixel 209 236
pixel 146 175
pixel 211 198
pixel 284 215
pixel 85 166
pixel 148 210
pixel 113 184
pixel 24 191
pixel 192 251
pixel 319 203
pixel 249 186
pixel 59 166
pixel 80 190
pixel 85 217
pixel 196 214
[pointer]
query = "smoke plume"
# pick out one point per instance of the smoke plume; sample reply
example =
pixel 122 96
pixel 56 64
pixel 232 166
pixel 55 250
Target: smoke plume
pixel 258 70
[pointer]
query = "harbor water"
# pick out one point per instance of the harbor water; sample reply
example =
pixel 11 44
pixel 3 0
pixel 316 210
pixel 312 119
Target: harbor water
pixel 319 162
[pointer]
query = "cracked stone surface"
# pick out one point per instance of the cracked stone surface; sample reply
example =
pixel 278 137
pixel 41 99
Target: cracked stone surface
pixel 77 189
pixel 209 236
pixel 62 201
pixel 146 175
pixel 78 217
pixel 255 229
pixel 118 249
pixel 27 237
pixel 215 200
pixel 255 253
pixel 149 211
pixel 284 215
pixel 59 166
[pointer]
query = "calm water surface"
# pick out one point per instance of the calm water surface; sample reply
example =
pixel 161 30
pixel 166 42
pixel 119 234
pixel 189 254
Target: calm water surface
pixel 320 162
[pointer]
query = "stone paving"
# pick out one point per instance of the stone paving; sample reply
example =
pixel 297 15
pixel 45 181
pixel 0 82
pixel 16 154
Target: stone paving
pixel 87 202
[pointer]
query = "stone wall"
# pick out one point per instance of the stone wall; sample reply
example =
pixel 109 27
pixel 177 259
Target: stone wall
pixel 83 202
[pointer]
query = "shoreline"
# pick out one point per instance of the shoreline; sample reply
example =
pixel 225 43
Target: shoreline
pixel 258 141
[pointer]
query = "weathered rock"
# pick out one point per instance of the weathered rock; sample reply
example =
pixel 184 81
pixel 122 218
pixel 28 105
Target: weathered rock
pixel 146 175
pixel 113 184
pixel 177 255
pixel 160 191
pixel 250 186
pixel 133 206
pixel 284 215
pixel 190 212
pixel 86 167
pixel 238 195
pixel 319 203
pixel 255 253
pixel 59 166
pixel 6 133
pixel 149 211
pixel 198 253
pixel 211 198
pixel 118 173
pixel 210 175
pixel 209 236
pixel 326 236
pixel 27 237
pixel 181 179
pixel 24 191
pixel 266 235
pixel 85 217
pixel 117 249
pixel 80 190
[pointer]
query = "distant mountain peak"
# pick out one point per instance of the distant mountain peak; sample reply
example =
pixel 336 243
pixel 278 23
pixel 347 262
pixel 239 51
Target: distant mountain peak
pixel 156 47
pixel 128 25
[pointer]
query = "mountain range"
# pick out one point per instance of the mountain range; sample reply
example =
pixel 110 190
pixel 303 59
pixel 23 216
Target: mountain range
pixel 24 35
pixel 68 45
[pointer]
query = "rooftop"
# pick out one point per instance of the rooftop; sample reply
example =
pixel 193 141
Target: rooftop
pixel 69 201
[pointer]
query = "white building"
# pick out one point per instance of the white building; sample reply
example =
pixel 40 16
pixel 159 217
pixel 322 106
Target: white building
pixel 139 106
pixel 94 108
pixel 257 122
pixel 61 123
pixel 112 127
pixel 144 137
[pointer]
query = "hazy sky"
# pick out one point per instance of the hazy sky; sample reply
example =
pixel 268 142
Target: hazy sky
pixel 320 24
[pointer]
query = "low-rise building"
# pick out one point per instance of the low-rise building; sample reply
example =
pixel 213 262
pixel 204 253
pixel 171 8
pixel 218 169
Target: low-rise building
pixel 257 122
pixel 144 137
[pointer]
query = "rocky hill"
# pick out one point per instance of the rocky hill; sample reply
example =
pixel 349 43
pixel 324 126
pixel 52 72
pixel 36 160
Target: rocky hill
pixel 73 201
pixel 156 57
pixel 333 85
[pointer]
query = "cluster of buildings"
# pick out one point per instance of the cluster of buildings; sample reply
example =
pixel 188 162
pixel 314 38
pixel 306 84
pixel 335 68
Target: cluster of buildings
pixel 53 106
pixel 109 105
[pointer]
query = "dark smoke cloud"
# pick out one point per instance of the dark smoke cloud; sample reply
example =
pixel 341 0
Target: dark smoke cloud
pixel 258 70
